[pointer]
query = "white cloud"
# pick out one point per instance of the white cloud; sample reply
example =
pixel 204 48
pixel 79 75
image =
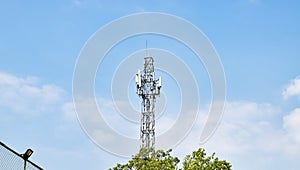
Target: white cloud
pixel 26 95
pixel 293 89
pixel 106 127
pixel 291 122
pixel 244 124
pixel 291 125
pixel 248 133
pixel 69 111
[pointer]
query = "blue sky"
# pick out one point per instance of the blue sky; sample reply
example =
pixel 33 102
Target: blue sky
pixel 257 42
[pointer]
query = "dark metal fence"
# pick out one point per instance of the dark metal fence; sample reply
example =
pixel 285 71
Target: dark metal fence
pixel 11 160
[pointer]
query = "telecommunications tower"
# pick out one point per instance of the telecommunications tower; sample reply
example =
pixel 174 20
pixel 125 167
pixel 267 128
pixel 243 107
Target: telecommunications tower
pixel 147 88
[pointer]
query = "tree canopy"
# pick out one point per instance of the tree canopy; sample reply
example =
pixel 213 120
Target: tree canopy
pixel 199 161
pixel 149 159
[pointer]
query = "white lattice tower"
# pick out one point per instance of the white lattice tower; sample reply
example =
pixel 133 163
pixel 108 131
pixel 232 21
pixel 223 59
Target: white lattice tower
pixel 148 88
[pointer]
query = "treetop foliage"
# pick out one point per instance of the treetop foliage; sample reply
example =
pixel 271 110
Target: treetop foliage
pixel 149 159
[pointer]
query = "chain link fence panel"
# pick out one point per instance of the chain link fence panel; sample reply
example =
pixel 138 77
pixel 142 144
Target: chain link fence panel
pixel 11 160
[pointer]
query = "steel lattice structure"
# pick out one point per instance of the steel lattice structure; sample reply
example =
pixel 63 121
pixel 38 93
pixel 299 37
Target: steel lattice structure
pixel 148 88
